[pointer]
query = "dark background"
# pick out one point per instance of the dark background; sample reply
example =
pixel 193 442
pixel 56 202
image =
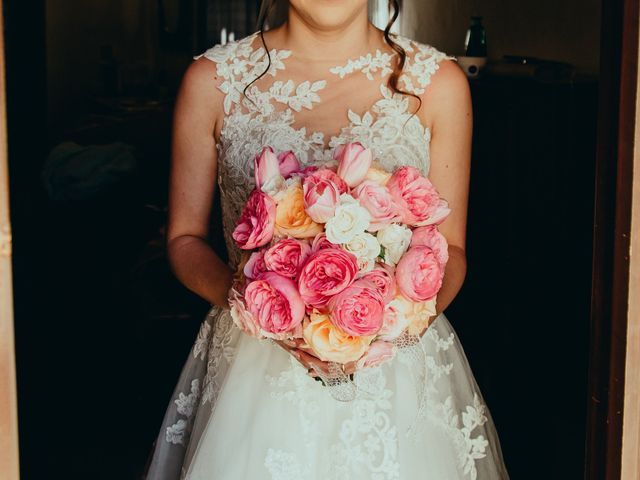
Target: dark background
pixel 102 328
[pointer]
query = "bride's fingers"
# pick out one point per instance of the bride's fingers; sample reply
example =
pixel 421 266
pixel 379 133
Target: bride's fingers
pixel 313 362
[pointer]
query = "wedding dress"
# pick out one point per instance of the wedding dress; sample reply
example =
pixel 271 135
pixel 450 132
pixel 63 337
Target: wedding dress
pixel 244 408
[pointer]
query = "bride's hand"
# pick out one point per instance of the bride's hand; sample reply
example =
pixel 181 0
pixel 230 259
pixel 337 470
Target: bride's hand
pixel 315 367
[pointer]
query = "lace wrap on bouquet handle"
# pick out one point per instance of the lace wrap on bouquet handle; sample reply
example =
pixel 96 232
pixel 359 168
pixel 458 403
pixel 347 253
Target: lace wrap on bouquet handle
pixel 410 351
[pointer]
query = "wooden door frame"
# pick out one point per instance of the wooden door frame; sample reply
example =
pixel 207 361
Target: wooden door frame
pixel 614 322
pixel 8 403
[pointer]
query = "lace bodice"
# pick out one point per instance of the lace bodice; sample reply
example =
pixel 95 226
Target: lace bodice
pixel 310 116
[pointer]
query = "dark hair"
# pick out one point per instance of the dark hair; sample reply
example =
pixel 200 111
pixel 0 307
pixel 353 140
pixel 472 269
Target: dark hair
pixel 394 6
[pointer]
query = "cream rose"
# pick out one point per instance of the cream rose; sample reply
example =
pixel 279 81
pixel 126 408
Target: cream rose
pixel 366 249
pixel 396 240
pixel 349 220
pixel 331 344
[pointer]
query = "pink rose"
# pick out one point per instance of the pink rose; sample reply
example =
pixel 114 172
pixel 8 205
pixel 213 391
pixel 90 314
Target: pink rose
pixel 353 162
pixel 429 236
pixel 327 174
pixel 358 309
pixel 379 203
pixel 418 274
pixel 256 224
pixel 416 197
pixel 266 169
pixel 287 256
pixel 441 212
pixel 384 280
pixel 320 198
pixel 378 352
pixel 242 317
pixel 275 303
pixel 255 265
pixel 321 241
pixel 326 273
pixel 288 163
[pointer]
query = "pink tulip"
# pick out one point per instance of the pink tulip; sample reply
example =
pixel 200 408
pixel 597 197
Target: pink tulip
pixel 416 197
pixel 357 309
pixel 275 303
pixel 266 168
pixel 320 198
pixel 256 224
pixel 383 278
pixel 378 353
pixel 429 236
pixel 418 274
pixel 354 161
pixel 379 203
pixel 255 266
pixel 326 273
pixel 287 256
pixel 288 163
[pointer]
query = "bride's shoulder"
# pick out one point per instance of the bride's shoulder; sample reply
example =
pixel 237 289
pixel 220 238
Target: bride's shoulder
pixel 422 61
pixel 223 52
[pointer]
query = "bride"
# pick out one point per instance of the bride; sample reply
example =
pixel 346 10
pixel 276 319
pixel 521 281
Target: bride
pixel 246 408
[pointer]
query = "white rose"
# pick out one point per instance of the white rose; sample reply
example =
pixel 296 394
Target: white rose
pixel 366 249
pixel 349 220
pixel 395 239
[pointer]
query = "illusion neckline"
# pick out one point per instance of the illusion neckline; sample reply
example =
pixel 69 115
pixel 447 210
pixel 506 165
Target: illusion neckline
pixel 350 62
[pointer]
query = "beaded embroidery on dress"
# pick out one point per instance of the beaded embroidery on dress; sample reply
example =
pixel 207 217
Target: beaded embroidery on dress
pixel 243 408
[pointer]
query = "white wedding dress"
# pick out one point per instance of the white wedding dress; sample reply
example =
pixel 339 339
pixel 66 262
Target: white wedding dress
pixel 244 408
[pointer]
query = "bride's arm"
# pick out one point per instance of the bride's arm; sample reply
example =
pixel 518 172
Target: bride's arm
pixel 197 117
pixel 448 103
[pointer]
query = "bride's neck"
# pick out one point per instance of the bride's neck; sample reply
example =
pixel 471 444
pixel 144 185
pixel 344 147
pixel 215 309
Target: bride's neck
pixel 331 44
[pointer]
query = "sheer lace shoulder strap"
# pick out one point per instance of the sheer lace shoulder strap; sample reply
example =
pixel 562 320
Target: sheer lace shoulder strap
pixel 238 63
pixel 423 60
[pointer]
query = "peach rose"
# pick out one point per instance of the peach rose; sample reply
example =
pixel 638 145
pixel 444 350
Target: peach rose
pixel 416 197
pixel 422 312
pixel 377 175
pixel 275 303
pixel 418 274
pixel 398 315
pixel 377 353
pixel 256 224
pixel 378 201
pixel 358 308
pixel 291 218
pixel 287 256
pixel 429 236
pixel 329 343
pixel 354 161
pixel 403 314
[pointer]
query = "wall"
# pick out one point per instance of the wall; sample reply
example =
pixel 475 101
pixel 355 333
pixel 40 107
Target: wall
pixel 565 30
pixel 75 30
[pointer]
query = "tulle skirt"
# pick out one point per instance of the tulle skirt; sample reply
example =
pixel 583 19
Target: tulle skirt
pixel 244 408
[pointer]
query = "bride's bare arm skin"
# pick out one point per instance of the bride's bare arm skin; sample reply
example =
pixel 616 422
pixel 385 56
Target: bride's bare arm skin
pixel 196 123
pixel 447 109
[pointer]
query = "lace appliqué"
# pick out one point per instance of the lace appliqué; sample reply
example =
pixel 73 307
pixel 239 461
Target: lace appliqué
pixel 367 64
pixel 186 406
pixel 221 349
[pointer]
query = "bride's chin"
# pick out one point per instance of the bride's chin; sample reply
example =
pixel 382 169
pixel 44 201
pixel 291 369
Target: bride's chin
pixel 328 14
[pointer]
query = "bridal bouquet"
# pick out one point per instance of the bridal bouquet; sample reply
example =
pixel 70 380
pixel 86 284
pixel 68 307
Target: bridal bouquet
pixel 346 257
